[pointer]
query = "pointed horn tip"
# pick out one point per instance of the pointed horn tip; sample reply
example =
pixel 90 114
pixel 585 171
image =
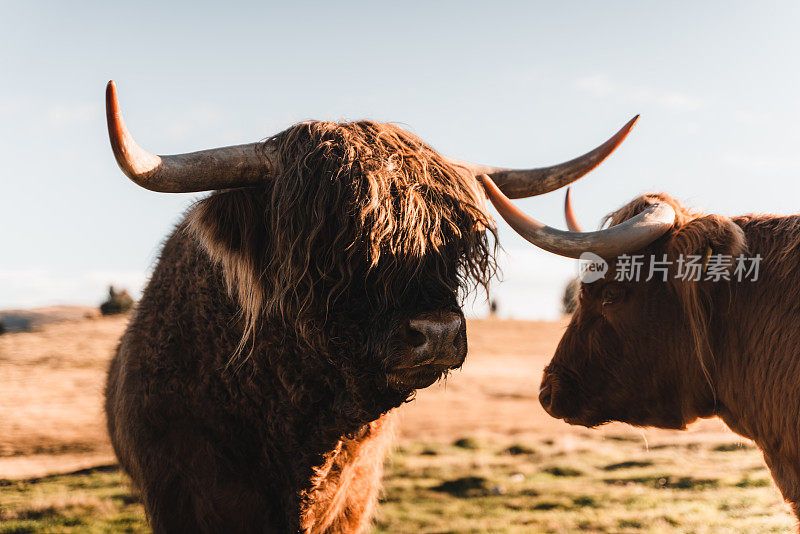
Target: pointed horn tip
pixel 615 141
pixel 112 103
pixel 111 92
pixel 631 123
pixel 134 162
pixel 116 125
pixel 569 215
pixel 625 130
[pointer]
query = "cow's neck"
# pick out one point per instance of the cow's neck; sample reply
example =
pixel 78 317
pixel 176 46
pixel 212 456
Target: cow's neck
pixel 757 352
pixel 338 479
pixel 343 430
pixel 324 405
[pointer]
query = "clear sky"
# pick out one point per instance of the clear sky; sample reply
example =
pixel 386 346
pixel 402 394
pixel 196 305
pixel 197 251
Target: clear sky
pixel 515 84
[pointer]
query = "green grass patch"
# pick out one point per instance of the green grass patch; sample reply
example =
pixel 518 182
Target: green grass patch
pixel 731 447
pixel 753 483
pixel 482 487
pixel 667 482
pixel 88 501
pixel 465 487
pixel 559 471
pixel 518 449
pixel 627 465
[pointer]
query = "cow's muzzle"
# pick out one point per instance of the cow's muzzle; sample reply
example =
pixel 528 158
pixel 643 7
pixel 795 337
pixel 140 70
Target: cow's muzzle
pixel 434 343
pixel 560 395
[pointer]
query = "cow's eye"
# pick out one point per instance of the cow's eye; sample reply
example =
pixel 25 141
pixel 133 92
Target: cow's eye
pixel 611 295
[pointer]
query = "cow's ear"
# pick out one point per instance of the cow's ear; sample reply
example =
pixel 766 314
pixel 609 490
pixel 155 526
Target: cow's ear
pixel 706 236
pixel 702 237
pixel 231 227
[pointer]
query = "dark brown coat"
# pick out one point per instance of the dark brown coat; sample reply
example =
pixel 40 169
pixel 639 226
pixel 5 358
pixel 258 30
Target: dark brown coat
pixel 252 389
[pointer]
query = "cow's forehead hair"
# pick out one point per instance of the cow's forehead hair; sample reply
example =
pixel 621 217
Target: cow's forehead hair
pixel 344 198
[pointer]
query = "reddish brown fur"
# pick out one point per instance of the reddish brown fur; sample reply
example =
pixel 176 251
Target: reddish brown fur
pixel 251 390
pixel 663 354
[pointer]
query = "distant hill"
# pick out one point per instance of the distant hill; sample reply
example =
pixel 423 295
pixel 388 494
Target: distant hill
pixel 36 318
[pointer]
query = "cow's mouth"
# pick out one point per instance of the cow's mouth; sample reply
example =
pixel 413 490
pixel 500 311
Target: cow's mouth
pixel 420 375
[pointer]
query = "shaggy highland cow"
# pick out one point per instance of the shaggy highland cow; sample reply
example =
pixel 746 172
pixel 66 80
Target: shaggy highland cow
pixel 718 341
pixel 289 313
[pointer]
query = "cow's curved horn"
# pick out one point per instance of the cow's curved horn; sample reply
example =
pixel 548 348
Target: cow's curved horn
pixel 521 183
pixel 629 236
pixel 218 168
pixel 569 215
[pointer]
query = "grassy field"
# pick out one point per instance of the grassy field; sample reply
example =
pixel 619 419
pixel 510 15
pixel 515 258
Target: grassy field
pixel 475 454
pixel 609 485
pixel 614 485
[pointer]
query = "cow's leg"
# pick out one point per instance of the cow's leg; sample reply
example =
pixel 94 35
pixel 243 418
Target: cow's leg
pixel 177 505
pixel 170 507
pixel 796 509
pixel 784 472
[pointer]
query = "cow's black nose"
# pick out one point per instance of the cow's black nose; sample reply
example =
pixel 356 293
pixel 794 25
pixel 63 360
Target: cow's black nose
pixel 436 338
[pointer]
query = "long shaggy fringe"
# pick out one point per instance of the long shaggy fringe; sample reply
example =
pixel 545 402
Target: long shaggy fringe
pixel 348 201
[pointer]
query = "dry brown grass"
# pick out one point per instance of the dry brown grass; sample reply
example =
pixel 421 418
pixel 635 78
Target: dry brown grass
pixel 53 380
pixel 51 396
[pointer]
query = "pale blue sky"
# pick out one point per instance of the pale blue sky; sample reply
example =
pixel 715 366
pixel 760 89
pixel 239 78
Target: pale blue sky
pixel 514 84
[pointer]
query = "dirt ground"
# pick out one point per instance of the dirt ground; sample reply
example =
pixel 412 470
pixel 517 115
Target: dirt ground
pixel 51 387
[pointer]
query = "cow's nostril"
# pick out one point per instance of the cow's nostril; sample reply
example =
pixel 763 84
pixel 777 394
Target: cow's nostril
pixel 545 395
pixel 414 337
pixel 438 329
pixel 435 333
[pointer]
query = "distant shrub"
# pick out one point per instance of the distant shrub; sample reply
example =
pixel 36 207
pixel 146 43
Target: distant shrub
pixel 2 328
pixel 117 302
pixel 569 301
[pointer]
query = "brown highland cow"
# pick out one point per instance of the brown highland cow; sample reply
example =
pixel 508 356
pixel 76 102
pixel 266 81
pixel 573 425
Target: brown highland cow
pixel 290 312
pixel 720 342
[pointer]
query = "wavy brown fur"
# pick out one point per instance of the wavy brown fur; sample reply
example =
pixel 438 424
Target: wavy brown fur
pixel 635 358
pixel 360 194
pixel 361 228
